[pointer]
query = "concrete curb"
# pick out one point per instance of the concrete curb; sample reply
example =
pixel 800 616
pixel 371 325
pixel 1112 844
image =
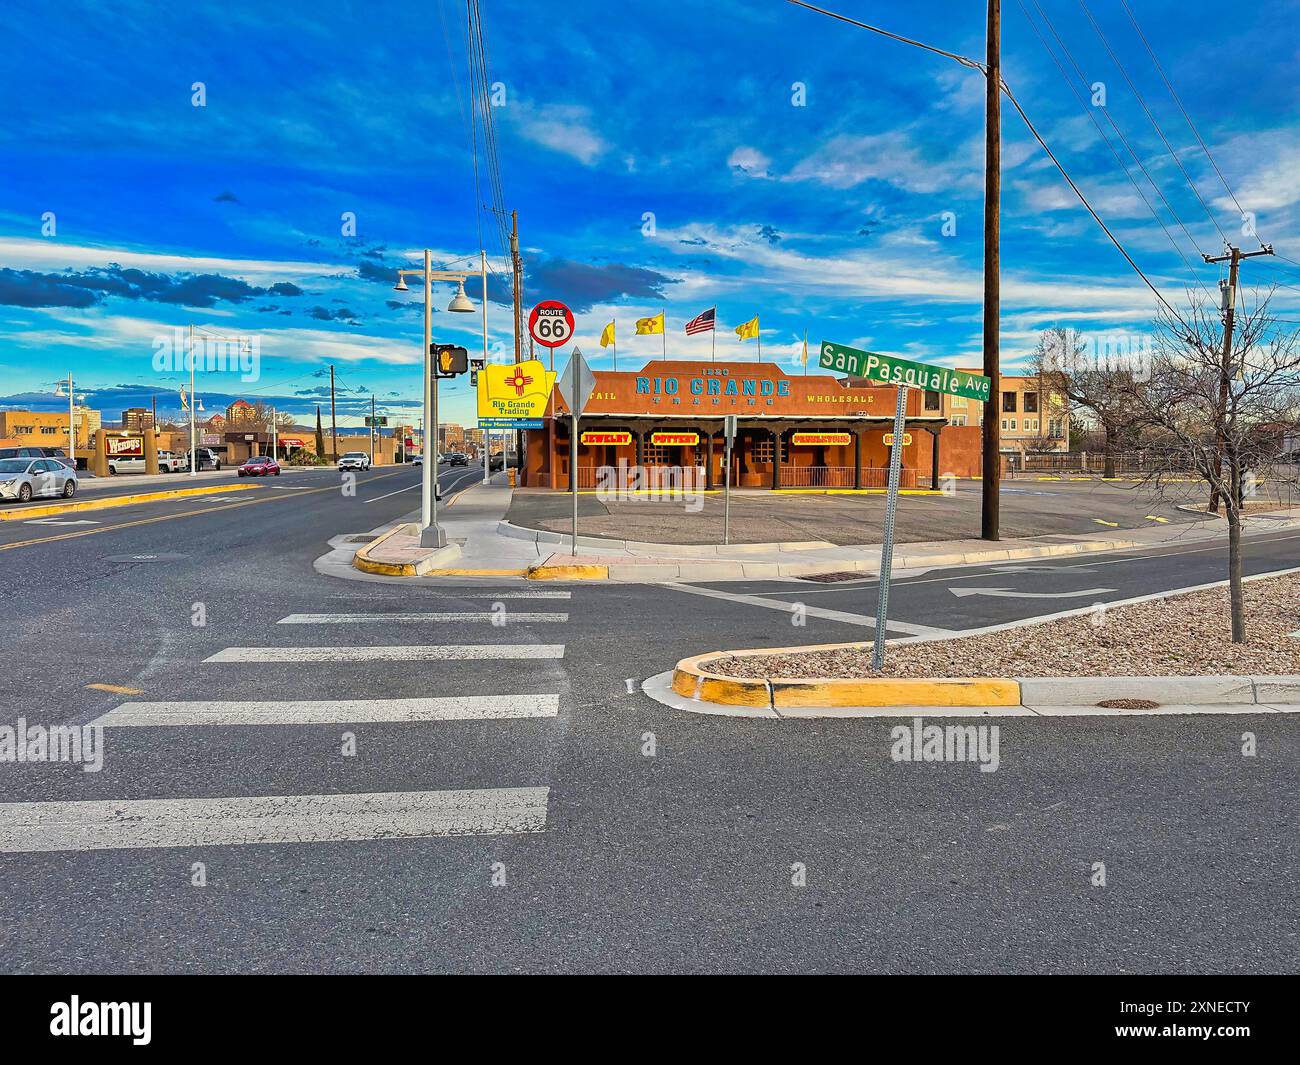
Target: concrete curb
pixel 23 513
pixel 724 569
pixel 707 691
pixel 424 567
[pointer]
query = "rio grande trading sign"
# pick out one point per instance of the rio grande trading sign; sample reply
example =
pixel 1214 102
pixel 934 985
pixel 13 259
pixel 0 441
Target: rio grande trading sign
pixel 887 370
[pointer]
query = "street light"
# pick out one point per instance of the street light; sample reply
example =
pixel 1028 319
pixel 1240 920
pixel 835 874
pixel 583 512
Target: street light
pixel 431 535
pixel 72 420
pixel 244 348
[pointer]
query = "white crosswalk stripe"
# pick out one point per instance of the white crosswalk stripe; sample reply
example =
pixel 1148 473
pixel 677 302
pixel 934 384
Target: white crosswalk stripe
pixel 399 653
pixel 108 824
pixel 116 824
pixel 338 712
pixel 506 616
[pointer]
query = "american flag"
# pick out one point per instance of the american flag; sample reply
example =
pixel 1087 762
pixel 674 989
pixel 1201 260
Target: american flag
pixel 701 323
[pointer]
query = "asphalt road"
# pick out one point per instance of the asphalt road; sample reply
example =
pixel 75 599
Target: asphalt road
pixel 597 855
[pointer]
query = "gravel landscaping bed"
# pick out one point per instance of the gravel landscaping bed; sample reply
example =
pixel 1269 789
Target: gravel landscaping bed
pixel 1186 635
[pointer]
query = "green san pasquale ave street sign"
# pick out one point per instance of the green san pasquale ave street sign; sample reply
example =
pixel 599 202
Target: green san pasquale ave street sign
pixel 891 371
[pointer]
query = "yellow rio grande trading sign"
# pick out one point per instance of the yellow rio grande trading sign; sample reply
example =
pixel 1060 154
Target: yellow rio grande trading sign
pixel 607 438
pixel 515 390
pixel 674 439
pixel 889 439
pixel 821 439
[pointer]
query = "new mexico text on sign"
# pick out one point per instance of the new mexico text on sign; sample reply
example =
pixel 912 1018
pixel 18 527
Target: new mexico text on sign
pixel 891 371
pixel 515 390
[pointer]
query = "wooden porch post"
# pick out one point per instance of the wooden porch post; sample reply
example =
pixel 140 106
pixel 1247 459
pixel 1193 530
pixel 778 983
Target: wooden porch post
pixel 934 460
pixel 857 458
pixel 776 459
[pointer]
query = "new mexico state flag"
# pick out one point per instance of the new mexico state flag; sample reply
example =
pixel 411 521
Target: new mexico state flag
pixel 515 390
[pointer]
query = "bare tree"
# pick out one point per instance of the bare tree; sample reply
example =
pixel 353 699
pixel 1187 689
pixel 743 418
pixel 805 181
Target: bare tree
pixel 1099 387
pixel 1225 419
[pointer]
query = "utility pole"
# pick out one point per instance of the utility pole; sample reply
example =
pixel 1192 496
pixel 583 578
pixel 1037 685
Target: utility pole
pixel 1233 259
pixel 334 425
pixel 518 267
pixel 992 483
pixel 373 428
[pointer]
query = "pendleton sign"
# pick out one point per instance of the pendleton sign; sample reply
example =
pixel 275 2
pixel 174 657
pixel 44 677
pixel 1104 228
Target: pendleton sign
pixel 888 370
pixel 820 439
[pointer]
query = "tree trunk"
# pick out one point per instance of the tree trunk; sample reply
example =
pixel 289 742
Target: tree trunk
pixel 1232 505
pixel 1109 470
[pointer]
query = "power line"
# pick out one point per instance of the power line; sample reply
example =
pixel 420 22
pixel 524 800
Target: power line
pixel 964 60
pixel 1192 125
pixel 1154 124
pixel 1084 200
pixel 1090 112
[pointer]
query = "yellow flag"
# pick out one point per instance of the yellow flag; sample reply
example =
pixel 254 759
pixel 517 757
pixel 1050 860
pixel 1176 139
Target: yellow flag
pixel 184 405
pixel 805 348
pixel 650 325
pixel 607 337
pixel 748 329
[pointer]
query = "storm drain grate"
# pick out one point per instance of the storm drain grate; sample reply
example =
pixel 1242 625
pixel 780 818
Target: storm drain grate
pixel 833 578
pixel 360 539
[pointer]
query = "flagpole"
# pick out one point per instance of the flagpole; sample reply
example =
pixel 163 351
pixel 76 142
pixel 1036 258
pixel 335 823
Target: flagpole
pixel 663 329
pixel 713 340
pixel 758 334
pixel 805 352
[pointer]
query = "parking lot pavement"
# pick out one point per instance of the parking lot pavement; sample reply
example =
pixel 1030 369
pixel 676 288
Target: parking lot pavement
pixel 1029 508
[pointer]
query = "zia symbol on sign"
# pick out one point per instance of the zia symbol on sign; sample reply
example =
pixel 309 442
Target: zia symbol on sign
pixel 519 381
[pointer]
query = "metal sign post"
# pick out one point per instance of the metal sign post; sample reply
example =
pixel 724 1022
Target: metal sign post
pixel 729 429
pixel 887 546
pixel 575 387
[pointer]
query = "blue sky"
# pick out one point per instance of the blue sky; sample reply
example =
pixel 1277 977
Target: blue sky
pixel 827 217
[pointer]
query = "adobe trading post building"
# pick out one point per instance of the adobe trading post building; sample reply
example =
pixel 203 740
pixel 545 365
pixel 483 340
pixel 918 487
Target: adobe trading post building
pixel 793 430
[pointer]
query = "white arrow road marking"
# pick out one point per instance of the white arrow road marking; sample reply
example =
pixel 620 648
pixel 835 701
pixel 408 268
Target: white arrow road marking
pixel 366 619
pixel 60 521
pixel 1008 593
pixel 403 653
pixel 115 824
pixel 813 611
pixel 340 712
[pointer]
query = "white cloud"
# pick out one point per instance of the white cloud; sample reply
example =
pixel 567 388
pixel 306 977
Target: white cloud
pixel 749 161
pixel 21 253
pixel 893 157
pixel 564 128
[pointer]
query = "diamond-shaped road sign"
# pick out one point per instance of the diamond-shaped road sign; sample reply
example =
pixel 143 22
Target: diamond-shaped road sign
pixel 576 383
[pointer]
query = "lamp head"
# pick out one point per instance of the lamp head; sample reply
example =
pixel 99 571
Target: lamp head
pixel 460 303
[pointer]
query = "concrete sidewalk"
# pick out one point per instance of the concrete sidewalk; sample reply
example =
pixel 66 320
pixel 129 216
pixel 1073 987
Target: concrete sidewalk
pixel 482 543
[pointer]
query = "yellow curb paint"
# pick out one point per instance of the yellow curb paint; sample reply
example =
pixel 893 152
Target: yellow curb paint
pixel 856 491
pixel 1108 524
pixel 20 513
pixel 116 689
pixel 568 573
pixel 896 691
pixel 476 573
pixel 694 680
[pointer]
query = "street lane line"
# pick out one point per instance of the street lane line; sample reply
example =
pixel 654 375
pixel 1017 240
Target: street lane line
pixel 365 619
pixel 60 521
pixel 338 712
pixel 404 653
pixel 460 595
pixel 169 517
pixel 117 824
pixel 814 611
pixel 376 499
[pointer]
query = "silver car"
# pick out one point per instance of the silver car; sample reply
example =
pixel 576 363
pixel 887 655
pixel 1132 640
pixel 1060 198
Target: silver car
pixel 23 479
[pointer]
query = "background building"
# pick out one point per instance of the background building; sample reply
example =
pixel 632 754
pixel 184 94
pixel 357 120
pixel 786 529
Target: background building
pixel 1034 421
pixel 135 419
pixel 241 412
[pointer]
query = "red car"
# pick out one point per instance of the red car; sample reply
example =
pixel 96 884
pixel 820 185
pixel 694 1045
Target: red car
pixel 259 466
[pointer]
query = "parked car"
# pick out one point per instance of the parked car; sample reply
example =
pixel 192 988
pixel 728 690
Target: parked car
pixel 417 460
pixel 170 462
pixel 208 459
pixel 24 478
pixel 260 466
pixel 456 458
pixel 354 460
pixel 35 453
pixel 126 464
pixel 497 461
